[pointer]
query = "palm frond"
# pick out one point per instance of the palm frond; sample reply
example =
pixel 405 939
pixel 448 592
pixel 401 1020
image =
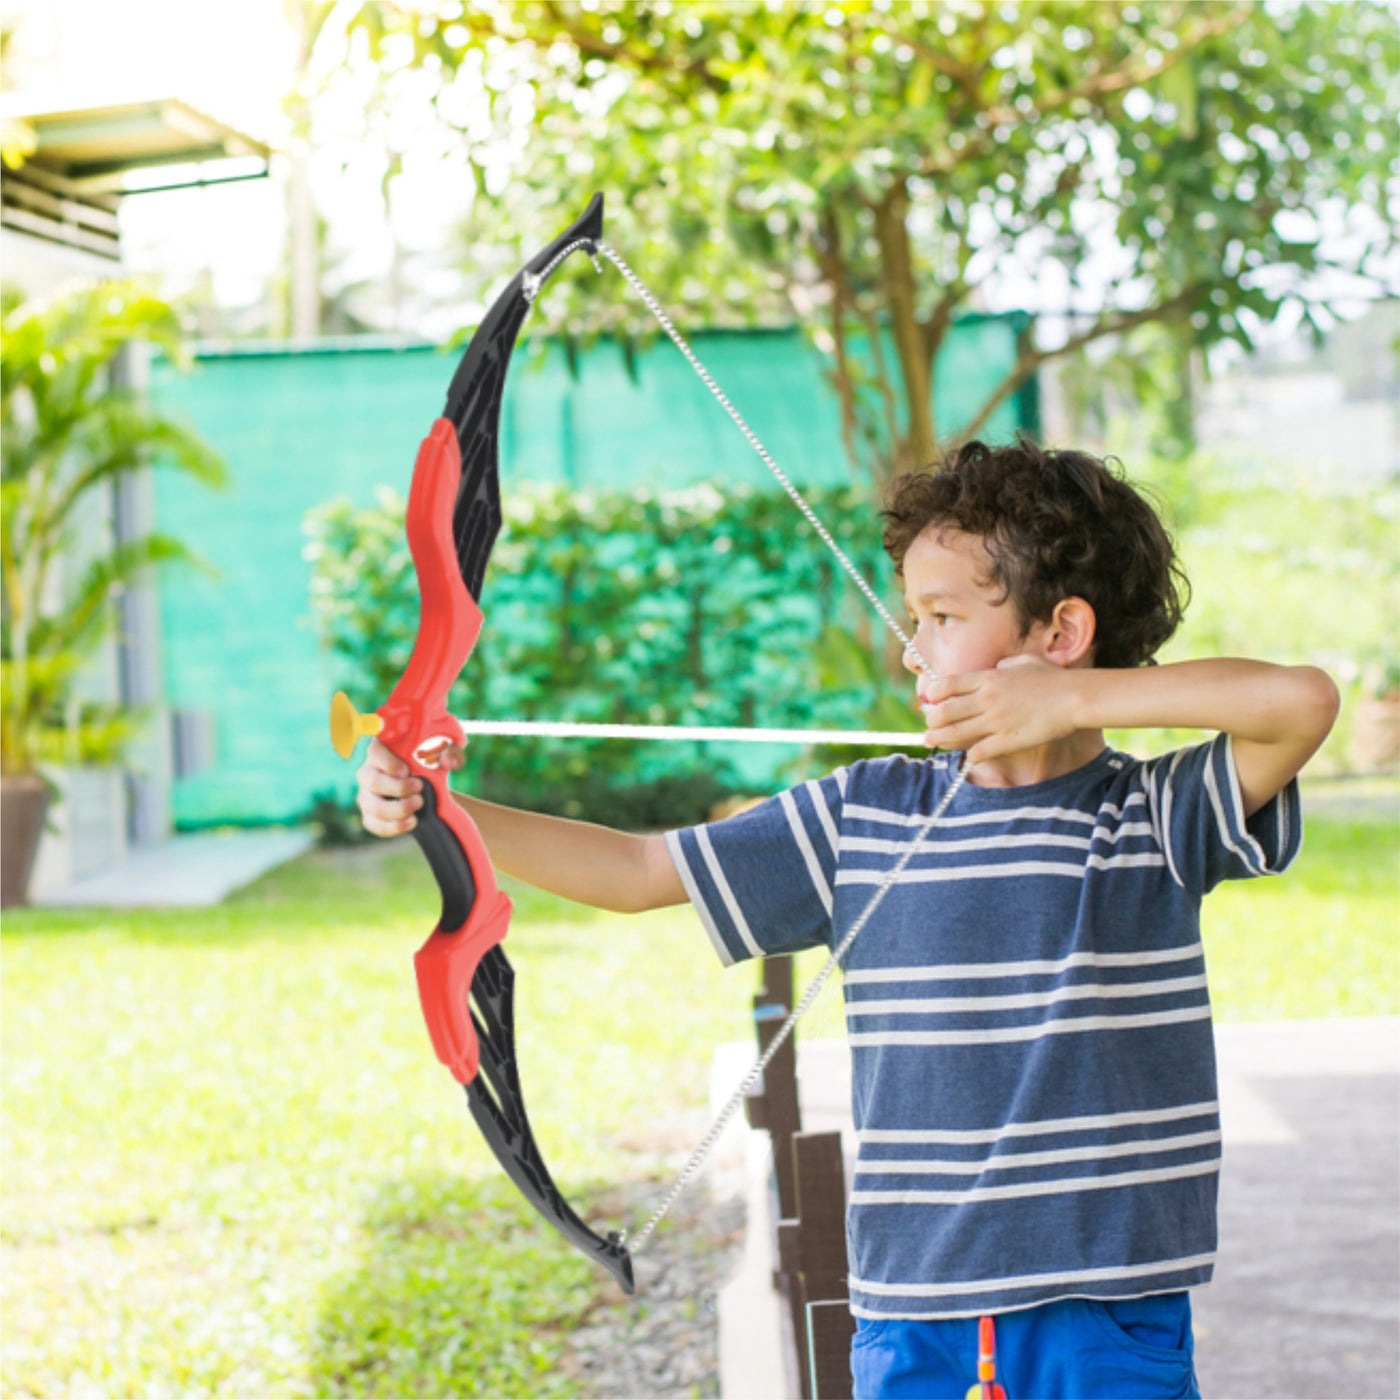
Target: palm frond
pixel 82 622
pixel 65 431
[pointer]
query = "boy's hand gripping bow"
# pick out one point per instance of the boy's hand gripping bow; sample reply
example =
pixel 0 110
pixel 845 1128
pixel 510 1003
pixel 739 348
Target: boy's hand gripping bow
pixel 465 982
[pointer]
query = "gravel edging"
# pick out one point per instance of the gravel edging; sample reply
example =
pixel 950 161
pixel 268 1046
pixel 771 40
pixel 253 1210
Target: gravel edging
pixel 664 1342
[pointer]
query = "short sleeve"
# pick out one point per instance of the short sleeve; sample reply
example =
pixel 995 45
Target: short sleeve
pixel 1198 813
pixel 762 881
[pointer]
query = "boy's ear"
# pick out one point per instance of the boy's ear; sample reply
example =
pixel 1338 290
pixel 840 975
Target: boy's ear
pixel 1069 636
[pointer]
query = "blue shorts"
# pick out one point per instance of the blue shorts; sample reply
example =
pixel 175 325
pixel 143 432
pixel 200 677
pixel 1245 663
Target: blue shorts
pixel 1072 1349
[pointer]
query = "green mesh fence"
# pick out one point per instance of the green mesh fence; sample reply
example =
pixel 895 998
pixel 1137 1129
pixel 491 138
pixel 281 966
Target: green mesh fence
pixel 298 427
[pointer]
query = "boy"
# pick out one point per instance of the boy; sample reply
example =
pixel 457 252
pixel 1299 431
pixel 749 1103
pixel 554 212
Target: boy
pixel 1033 1067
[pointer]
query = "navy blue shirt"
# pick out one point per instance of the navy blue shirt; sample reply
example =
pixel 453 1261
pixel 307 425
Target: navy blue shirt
pixel 1033 1087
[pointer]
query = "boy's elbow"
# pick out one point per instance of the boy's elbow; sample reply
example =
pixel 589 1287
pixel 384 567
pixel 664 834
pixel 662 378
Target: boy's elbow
pixel 1317 702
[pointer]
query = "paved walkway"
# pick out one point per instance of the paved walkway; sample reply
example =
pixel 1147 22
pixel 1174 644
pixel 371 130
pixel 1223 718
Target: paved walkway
pixel 185 871
pixel 1306 1299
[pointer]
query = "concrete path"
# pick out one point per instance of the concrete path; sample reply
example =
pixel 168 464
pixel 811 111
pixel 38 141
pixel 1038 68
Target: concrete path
pixel 1306 1299
pixel 186 871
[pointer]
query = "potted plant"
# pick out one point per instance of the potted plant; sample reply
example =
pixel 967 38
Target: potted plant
pixel 68 433
pixel 1375 729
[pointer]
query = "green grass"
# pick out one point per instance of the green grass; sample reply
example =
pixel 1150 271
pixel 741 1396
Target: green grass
pixel 1321 940
pixel 233 1167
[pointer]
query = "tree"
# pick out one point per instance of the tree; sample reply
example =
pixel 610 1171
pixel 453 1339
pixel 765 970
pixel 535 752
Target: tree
pixel 876 168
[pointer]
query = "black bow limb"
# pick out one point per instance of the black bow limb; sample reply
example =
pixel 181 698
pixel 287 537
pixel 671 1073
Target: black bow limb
pixel 465 980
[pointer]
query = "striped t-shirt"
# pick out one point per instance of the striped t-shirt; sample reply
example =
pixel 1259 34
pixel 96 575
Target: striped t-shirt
pixel 1034 1087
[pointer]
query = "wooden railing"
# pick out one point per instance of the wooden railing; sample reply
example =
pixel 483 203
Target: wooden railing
pixel 809 1199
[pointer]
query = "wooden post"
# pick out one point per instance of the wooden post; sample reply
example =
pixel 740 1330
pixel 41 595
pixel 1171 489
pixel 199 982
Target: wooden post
pixel 821 1212
pixel 775 1108
pixel 810 1207
pixel 830 1328
pixel 821 1248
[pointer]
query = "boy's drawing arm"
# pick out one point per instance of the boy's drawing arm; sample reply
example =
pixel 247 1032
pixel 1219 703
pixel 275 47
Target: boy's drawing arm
pixel 1276 716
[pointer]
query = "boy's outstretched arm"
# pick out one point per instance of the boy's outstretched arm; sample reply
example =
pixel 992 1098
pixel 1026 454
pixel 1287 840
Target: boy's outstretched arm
pixel 578 860
pixel 1276 716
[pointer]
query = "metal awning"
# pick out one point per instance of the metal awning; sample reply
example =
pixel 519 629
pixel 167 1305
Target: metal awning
pixel 84 159
pixel 92 148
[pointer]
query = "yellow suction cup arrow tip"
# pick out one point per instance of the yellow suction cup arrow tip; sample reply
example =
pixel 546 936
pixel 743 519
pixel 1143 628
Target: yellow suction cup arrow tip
pixel 348 724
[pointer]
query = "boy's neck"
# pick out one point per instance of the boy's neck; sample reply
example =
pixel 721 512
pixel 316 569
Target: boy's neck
pixel 1039 765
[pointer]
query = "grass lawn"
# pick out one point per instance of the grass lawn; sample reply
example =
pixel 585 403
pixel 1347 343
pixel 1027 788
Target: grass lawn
pixel 232 1165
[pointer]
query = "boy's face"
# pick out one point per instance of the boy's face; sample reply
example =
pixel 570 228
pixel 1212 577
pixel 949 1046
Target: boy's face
pixel 960 623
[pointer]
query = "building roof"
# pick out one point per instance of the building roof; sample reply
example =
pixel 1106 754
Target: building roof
pixel 81 160
pixel 94 147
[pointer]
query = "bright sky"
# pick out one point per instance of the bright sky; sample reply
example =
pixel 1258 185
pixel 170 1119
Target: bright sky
pixel 233 59
pixel 230 58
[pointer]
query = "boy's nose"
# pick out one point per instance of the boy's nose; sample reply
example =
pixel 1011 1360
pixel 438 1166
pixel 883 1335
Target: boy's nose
pixel 912 660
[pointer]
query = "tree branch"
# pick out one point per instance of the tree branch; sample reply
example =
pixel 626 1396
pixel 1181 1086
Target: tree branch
pixel 882 373
pixel 1029 359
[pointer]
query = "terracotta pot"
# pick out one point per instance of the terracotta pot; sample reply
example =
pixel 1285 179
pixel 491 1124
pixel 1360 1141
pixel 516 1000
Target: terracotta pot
pixel 24 801
pixel 1375 733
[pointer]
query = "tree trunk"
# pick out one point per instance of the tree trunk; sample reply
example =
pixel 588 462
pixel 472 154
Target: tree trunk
pixel 918 446
pixel 305 291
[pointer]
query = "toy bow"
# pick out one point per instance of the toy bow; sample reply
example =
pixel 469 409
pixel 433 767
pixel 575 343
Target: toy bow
pixel 465 982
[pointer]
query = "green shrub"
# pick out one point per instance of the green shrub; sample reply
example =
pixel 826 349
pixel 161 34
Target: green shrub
pixel 681 607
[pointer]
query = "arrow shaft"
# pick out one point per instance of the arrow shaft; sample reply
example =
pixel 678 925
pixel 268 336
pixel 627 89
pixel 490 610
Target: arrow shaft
pixel 544 729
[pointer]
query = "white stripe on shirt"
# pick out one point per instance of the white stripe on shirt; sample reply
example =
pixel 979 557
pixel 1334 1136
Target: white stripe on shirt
pixel 698 903
pixel 1168 797
pixel 1030 967
pixel 855 811
pixel 996 843
pixel 1254 857
pixel 1064 1186
pixel 1044 1127
pixel 819 806
pixel 1017 1161
pixel 1070 870
pixel 804 844
pixel 1077 991
pixel 702 839
pixel 1017 1281
pixel 1068 1025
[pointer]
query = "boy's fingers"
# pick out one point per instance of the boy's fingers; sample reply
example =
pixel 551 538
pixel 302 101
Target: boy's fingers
pixel 389 818
pixel 959 734
pixel 942 687
pixel 382 757
pixel 950 711
pixel 385 782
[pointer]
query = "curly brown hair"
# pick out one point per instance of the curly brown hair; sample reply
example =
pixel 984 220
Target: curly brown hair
pixel 1056 524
